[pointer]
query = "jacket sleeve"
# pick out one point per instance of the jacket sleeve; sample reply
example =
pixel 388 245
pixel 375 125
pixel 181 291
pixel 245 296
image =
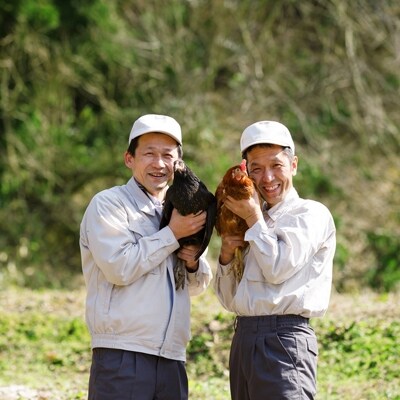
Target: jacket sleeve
pixel 199 281
pixel 225 286
pixel 123 249
pixel 282 251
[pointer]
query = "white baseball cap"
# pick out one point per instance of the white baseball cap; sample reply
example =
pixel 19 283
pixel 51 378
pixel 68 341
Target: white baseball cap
pixel 266 132
pixel 155 123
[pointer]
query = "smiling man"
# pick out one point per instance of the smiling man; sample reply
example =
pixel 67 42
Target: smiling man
pixel 139 323
pixel 287 276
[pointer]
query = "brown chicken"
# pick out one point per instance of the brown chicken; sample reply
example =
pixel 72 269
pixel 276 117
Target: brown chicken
pixel 237 184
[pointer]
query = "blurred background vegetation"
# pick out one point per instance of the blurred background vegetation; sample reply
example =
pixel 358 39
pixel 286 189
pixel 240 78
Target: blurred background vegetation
pixel 74 75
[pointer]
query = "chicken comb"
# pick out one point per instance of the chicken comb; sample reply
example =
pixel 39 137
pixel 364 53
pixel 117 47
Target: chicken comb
pixel 243 165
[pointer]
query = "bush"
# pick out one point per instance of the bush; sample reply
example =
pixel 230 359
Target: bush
pixel 385 274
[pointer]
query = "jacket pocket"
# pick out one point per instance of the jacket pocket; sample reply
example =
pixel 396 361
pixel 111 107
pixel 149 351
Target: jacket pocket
pixel 142 227
pixel 107 297
pixel 254 274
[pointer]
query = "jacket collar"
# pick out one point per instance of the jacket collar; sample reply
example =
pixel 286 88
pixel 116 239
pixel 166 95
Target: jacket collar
pixel 145 202
pixel 278 209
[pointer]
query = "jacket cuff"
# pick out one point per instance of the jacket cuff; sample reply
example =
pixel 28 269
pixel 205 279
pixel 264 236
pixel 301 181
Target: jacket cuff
pixel 168 238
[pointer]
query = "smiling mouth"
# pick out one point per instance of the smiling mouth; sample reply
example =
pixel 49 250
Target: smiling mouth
pixel 271 189
pixel 157 175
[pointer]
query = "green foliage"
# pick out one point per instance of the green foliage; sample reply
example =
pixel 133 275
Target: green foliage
pixel 359 353
pixel 385 274
pixel 341 256
pixel 41 15
pixel 207 351
pixel 313 183
pixel 45 347
pixel 75 75
pixel 44 335
pixel 366 344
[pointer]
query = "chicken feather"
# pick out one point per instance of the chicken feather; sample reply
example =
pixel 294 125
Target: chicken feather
pixel 237 184
pixel 189 195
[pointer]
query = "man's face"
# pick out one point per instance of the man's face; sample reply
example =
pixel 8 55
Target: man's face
pixel 153 162
pixel 272 172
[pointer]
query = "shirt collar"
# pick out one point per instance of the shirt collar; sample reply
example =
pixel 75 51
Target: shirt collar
pixel 278 209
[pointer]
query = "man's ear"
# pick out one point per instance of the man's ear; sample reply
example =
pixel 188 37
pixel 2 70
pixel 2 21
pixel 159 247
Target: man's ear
pixel 129 159
pixel 295 163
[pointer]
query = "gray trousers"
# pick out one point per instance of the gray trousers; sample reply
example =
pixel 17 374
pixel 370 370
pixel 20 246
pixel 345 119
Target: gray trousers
pixel 273 357
pixel 126 375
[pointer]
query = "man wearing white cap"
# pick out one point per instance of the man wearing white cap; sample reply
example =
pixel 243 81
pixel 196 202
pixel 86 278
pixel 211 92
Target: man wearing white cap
pixel 287 276
pixel 139 323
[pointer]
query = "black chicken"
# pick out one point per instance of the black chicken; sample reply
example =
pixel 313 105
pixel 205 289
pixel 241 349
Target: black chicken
pixel 189 196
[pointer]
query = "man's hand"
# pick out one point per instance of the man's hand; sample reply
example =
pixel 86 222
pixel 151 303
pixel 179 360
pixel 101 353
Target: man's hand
pixel 187 225
pixel 248 209
pixel 187 253
pixel 228 246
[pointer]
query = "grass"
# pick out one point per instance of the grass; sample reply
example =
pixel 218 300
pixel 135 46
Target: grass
pixel 45 351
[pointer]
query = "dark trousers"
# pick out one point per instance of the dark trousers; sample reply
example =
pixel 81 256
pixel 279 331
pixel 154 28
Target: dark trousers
pixel 273 357
pixel 127 375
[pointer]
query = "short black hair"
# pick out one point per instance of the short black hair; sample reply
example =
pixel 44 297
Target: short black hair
pixel 135 142
pixel 286 149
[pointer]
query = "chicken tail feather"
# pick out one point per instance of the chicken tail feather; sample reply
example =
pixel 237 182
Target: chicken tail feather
pixel 237 265
pixel 180 274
